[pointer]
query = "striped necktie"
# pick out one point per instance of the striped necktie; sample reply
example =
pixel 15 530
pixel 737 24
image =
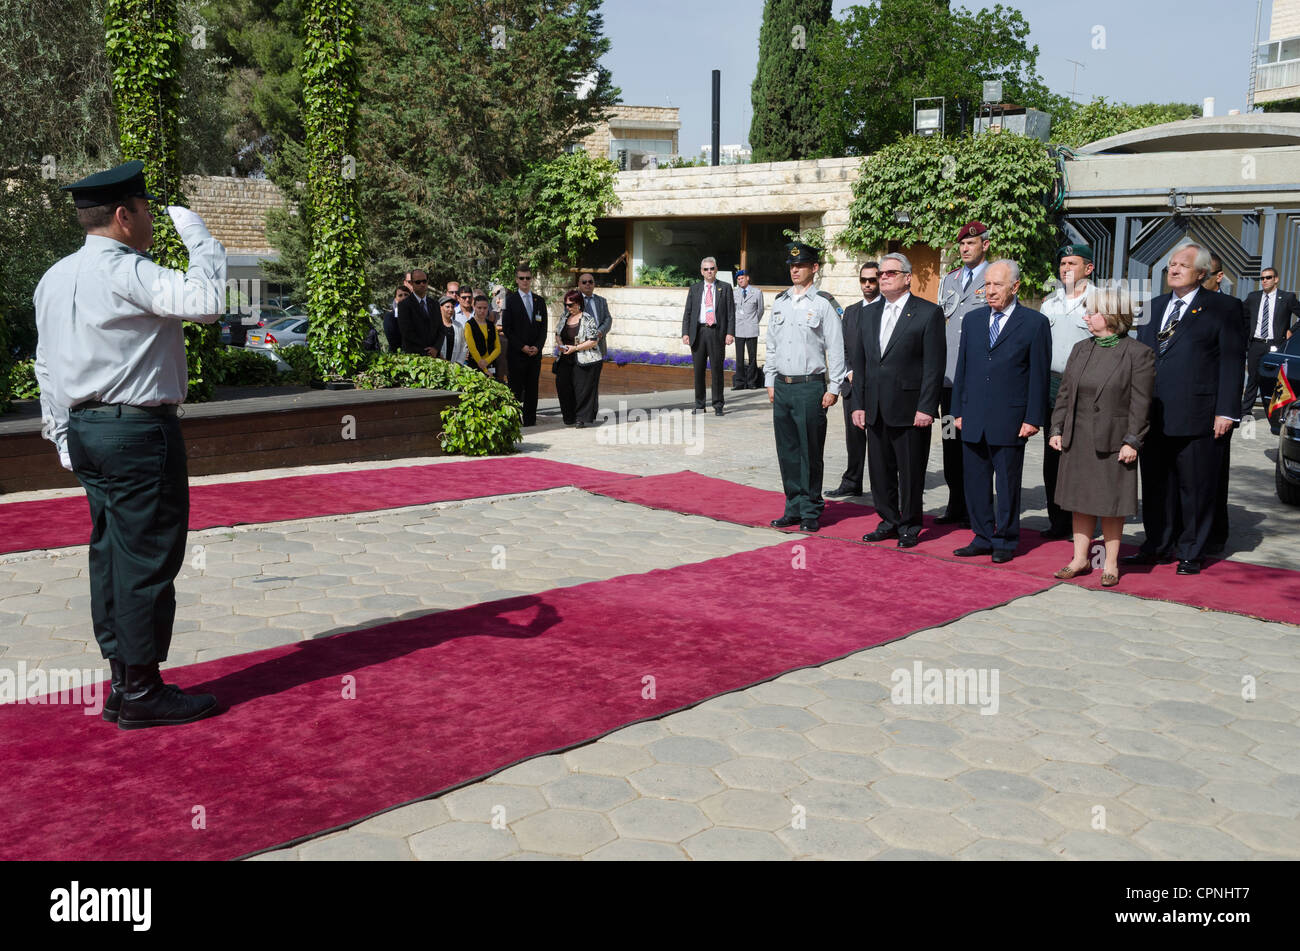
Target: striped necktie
pixel 996 329
pixel 1166 336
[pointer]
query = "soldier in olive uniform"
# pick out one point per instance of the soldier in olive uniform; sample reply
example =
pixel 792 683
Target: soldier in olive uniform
pixel 960 292
pixel 110 360
pixel 804 371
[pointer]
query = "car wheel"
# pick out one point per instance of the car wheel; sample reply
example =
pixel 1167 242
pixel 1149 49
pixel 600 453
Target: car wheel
pixel 1287 490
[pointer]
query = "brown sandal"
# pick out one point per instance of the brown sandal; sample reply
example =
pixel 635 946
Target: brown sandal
pixel 1066 573
pixel 1108 580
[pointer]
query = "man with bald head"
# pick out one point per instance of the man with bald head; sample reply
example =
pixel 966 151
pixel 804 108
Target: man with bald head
pixel 999 400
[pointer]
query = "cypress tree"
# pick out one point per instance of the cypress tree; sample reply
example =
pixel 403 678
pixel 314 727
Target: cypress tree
pixel 785 124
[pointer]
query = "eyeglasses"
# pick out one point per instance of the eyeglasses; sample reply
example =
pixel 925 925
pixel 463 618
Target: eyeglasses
pixel 587 281
pixel 708 269
pixel 419 282
pixel 868 280
pixel 466 296
pixel 523 277
pixel 893 273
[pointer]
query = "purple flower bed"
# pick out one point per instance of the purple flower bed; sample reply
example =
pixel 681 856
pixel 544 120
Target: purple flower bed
pixel 658 359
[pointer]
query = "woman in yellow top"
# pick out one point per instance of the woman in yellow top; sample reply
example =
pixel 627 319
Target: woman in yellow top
pixel 481 338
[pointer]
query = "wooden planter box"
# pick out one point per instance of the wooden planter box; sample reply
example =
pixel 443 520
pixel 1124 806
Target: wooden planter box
pixel 632 378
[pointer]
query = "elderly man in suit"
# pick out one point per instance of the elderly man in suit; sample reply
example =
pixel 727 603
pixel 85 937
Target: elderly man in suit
pixel 1197 337
pixel 855 437
pixel 1270 313
pixel 708 328
pixel 897 379
pixel 524 324
pixel 999 398
pixel 960 292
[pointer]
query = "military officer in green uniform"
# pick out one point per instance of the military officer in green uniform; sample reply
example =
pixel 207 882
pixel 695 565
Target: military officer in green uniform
pixel 110 361
pixel 804 370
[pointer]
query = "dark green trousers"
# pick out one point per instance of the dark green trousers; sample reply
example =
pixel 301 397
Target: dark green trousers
pixel 132 465
pixel 799 422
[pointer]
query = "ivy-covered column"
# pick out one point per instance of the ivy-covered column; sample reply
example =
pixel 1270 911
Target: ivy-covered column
pixel 144 43
pixel 336 280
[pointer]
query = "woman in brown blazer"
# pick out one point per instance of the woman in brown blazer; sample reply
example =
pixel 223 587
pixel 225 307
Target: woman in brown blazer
pixel 1098 424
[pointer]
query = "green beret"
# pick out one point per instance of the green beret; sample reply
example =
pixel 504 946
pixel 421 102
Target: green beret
pixel 116 184
pixel 1074 250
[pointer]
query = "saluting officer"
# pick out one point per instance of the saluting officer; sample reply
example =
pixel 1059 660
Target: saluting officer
pixel 804 371
pixel 110 360
pixel 960 292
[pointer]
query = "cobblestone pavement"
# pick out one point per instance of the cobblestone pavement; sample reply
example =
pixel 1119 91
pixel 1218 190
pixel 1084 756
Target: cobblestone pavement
pixel 1124 728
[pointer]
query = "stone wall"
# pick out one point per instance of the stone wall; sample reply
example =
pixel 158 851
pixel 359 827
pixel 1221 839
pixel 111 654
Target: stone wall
pixel 234 210
pixel 630 122
pixel 1285 19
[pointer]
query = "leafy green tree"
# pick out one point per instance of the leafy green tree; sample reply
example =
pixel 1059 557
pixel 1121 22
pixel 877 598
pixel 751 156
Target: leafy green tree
pixel 922 190
pixel 785 124
pixel 1100 119
pixel 874 60
pixel 563 198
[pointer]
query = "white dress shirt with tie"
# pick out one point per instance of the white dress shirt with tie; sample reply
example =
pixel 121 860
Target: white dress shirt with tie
pixel 889 320
pixel 709 302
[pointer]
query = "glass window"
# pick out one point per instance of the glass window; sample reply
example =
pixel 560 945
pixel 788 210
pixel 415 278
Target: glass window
pixel 1290 49
pixel 680 244
pixel 1267 54
pixel 610 243
pixel 765 251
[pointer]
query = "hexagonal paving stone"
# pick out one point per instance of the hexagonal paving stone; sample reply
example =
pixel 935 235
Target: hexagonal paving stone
pixel 841 767
pixel 463 840
pixel 845 738
pixel 584 791
pixel 1267 834
pixel 915 760
pixel 765 774
pixel 771 717
pixel 1219 765
pixel 659 820
pixel 847 711
pixel 563 831
pixel 689 751
pixel 921 829
pixel 1148 771
pixel 749 809
pixel 777 744
pixel 632 850
pixel 995 850
pixel 920 733
pixel 407 820
pixel 1141 744
pixel 836 800
pixel 918 792
pixel 984 784
pixel 638 734
pixel 353 846
pixel 1082 778
pixel 706 723
pixel 663 781
pixel 608 759
pixel 1251 798
pixel 1092 813
pixel 1197 843
pixel 1099 847
pixel 823 838
pixel 1005 820
pixel 720 844
pixel 1014 757
pixel 853 688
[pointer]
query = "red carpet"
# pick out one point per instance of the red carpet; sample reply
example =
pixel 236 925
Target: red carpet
pixel 446 698
pixel 59 523
pixel 1232 586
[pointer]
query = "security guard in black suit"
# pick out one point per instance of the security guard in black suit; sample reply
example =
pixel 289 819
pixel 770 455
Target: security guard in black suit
pixel 110 360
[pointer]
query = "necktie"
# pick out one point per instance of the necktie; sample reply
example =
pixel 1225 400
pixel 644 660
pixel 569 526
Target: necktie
pixel 528 305
pixel 887 326
pixel 1166 336
pixel 965 281
pixel 708 305
pixel 1264 321
pixel 995 329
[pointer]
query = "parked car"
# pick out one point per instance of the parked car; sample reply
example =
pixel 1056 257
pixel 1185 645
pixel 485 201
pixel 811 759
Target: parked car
pixel 296 310
pixel 1268 367
pixel 285 332
pixel 235 327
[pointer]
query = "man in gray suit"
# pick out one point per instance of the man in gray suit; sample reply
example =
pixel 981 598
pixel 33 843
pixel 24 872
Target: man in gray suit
pixel 749 313
pixel 960 292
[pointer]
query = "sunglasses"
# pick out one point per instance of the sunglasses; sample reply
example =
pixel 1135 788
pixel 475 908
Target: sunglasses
pixel 868 280
pixel 890 273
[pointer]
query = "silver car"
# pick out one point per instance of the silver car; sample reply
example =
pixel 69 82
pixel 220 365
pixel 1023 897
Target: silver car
pixel 285 332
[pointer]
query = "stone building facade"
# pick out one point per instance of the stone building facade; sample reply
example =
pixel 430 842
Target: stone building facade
pixel 641 130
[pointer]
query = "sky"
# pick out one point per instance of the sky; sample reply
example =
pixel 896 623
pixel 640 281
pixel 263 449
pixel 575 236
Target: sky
pixel 663 52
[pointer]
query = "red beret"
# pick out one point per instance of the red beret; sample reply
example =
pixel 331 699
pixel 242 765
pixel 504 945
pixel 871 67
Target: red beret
pixel 972 229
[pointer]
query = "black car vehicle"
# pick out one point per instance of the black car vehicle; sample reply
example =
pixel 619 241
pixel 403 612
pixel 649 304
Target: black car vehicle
pixel 1288 455
pixel 1268 367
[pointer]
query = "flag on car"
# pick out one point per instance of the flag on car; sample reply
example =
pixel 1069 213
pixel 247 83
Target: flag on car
pixel 1283 396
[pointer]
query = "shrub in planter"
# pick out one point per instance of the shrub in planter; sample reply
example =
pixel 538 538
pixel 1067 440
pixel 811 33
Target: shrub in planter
pixel 22 381
pixel 303 365
pixel 237 367
pixel 488 420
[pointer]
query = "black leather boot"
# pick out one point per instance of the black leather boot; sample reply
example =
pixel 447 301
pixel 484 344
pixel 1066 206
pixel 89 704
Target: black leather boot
pixel 117 678
pixel 147 701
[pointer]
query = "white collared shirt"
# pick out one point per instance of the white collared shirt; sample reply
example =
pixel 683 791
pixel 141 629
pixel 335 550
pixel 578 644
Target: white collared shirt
pixel 703 293
pixel 1169 308
pixel 1005 313
pixel 1271 298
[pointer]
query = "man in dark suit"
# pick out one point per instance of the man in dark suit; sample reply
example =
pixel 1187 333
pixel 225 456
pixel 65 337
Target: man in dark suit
pixel 999 400
pixel 708 328
pixel 417 321
pixel 1270 312
pixel 897 382
pixel 391 331
pixel 855 437
pixel 525 327
pixel 1199 348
